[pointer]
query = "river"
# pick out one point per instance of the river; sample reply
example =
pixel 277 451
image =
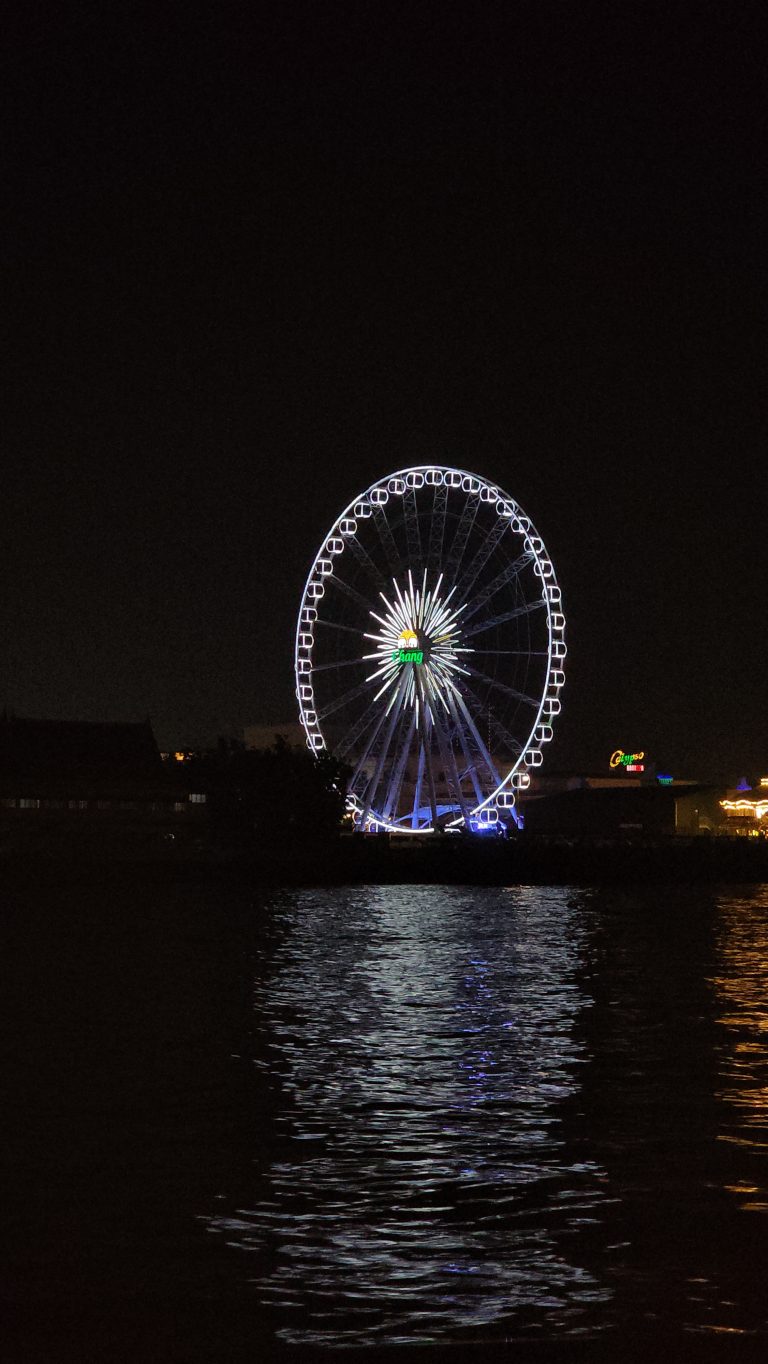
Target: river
pixel 369 1117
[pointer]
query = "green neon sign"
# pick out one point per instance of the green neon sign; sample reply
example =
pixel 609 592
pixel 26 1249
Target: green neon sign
pixel 408 656
pixel 622 759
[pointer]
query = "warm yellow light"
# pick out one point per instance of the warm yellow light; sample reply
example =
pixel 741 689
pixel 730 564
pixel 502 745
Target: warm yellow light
pixel 758 808
pixel 408 640
pixel 179 757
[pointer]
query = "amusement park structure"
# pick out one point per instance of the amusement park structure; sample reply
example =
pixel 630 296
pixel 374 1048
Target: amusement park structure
pixel 430 651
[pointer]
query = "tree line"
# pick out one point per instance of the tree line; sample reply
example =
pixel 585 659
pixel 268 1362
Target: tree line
pixel 270 796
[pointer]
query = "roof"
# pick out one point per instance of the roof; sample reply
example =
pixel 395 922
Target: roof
pixel 75 755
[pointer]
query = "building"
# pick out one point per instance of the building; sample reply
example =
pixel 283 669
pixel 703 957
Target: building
pixel 745 811
pixel 622 809
pixel 68 786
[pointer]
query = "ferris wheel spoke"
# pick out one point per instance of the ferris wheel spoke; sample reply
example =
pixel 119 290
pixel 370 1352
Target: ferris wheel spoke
pixel 404 741
pixel 448 760
pixel 341 663
pixel 509 653
pixel 437 527
pixel 412 536
pixel 417 789
pixel 346 699
pixel 471 767
pixel 512 570
pixel 351 736
pixel 427 747
pixel 373 785
pixel 366 562
pixel 459 543
pixel 505 616
pixel 481 713
pixel 389 544
pixel 475 733
pixel 350 592
pixel 336 625
pixel 359 769
pixel 379 716
pixel 494 684
pixel 513 744
pixel 477 565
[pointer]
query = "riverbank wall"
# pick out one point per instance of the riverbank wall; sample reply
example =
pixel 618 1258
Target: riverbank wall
pixel 441 860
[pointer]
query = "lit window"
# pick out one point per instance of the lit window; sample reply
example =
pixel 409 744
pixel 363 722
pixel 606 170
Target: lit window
pixel 77 804
pixel 178 807
pixel 103 804
pixel 197 800
pixel 25 804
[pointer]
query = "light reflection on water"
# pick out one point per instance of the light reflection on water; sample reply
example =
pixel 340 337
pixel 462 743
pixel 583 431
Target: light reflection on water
pixel 425 1045
pixel 741 987
pixel 418 1114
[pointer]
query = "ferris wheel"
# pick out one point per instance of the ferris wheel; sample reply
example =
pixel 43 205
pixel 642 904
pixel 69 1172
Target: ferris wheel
pixel 430 651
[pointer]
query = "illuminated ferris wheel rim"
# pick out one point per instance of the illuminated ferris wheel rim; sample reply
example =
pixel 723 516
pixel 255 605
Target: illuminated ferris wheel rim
pixel 374 499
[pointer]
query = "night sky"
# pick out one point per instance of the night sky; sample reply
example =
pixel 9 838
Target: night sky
pixel 259 256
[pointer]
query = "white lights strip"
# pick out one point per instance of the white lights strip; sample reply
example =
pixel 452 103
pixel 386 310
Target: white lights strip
pixel 758 808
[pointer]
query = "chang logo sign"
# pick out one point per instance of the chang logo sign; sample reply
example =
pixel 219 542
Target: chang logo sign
pixel 408 650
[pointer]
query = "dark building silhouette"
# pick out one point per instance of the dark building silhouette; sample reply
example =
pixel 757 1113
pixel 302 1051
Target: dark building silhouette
pixel 68 786
pixel 624 810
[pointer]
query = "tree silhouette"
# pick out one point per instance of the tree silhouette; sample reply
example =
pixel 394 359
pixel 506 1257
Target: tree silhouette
pixel 272 796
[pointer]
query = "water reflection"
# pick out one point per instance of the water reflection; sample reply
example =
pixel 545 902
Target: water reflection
pixel 424 1042
pixel 726 1291
pixel 741 985
pixel 465 1113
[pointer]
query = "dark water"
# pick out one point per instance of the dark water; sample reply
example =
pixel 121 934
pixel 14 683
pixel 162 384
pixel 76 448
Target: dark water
pixel 369 1117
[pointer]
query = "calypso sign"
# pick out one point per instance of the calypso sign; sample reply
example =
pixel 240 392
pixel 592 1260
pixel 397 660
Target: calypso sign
pixel 408 650
pixel 621 759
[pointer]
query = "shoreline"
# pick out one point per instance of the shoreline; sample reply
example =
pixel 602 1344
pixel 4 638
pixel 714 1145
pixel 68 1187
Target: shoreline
pixel 381 861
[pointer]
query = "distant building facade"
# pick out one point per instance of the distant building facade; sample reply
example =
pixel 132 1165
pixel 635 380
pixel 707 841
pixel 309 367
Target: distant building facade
pixel 745 810
pixel 597 807
pixel 74 785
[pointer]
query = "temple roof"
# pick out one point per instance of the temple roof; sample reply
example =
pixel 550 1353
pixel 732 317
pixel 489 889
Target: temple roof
pixel 77 755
